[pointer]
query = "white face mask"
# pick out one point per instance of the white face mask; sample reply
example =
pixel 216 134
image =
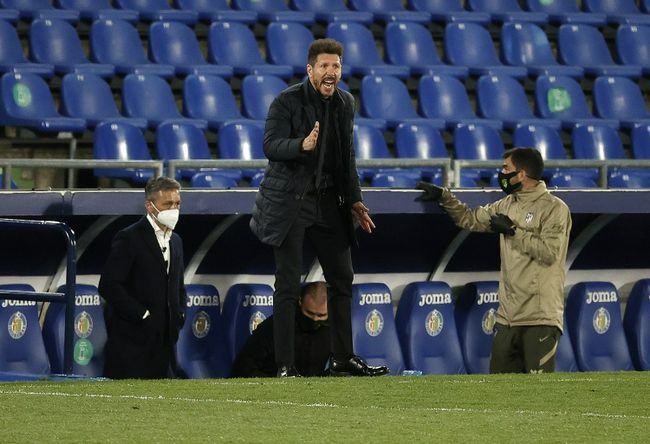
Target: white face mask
pixel 168 218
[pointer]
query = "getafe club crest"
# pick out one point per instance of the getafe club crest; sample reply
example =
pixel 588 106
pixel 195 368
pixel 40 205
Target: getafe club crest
pixel 601 320
pixel 256 319
pixel 83 324
pixel 434 323
pixel 17 325
pixel 201 324
pixel 488 321
pixel 529 217
pixel 374 323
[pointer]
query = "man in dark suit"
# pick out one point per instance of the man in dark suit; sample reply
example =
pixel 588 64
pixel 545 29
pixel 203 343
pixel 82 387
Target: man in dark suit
pixel 142 284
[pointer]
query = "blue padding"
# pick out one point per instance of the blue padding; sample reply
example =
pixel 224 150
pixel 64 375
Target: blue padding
pixel 565 360
pixel 636 325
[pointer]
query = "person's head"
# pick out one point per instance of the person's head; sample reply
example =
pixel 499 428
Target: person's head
pixel 313 301
pixel 324 59
pixel 522 169
pixel 163 201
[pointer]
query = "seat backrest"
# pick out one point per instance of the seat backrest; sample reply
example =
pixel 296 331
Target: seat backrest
pixel 444 97
pixel 376 5
pixel 597 142
pixel 494 6
pixel 629 178
pixel 245 307
pixel 119 141
pixel 633 44
pixel 477 142
pixel 565 359
pixel 89 332
pixel 374 336
pixel 582 45
pixel 26 96
pixel 287 44
pixel 21 344
pixel 260 5
pixel 469 44
pixel 201 350
pixel 55 41
pixel 636 325
pixel 437 6
pixel 554 7
pixel 475 316
pixel 213 180
pixel 143 5
pixel 426 328
pixel 84 6
pixel 148 96
pixel 181 140
pixel 619 98
pixel 558 97
pixel 410 44
pixel 87 96
pixel 210 98
pixel 543 138
pixel 116 42
pixel 11 50
pixel 569 179
pixel 502 97
pixel 419 141
pixel 525 44
pixel 174 43
pixel 232 43
pixel 359 44
pixel 593 314
pixel 319 5
pixel 241 140
pixel 257 94
pixel 641 141
pixel 386 97
pixel 611 6
pixel 369 142
pixel 396 179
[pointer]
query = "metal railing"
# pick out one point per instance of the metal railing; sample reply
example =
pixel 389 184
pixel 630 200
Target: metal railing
pixel 68 297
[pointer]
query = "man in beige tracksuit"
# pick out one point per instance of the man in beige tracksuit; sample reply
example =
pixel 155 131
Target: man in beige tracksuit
pixel 534 229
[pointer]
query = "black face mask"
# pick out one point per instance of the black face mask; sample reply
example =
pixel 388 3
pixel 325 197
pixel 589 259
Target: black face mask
pixel 504 182
pixel 308 324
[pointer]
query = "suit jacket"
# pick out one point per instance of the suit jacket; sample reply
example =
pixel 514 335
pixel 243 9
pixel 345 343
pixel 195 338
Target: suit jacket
pixel 290 171
pixel 135 280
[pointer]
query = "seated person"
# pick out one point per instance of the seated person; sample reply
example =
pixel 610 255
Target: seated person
pixel 312 340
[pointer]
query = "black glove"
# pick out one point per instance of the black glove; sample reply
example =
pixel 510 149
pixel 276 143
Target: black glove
pixel 431 192
pixel 500 223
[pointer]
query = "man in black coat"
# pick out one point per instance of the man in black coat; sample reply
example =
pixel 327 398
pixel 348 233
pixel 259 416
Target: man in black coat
pixel 142 284
pixel 311 190
pixel 312 340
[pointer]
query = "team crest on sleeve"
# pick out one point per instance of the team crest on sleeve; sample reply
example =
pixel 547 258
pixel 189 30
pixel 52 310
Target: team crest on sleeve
pixel 434 323
pixel 529 217
pixel 488 321
pixel 17 325
pixel 201 324
pixel 256 319
pixel 601 320
pixel 83 324
pixel 374 323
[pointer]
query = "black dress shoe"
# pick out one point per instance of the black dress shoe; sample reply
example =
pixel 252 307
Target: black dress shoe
pixel 288 372
pixel 355 366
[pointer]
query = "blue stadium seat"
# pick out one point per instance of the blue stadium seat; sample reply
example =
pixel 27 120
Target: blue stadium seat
pixel 645 5
pixel 98 10
pixel 89 97
pixel 12 57
pixel 287 44
pixel 12 185
pixel 565 11
pixel 210 98
pixel 426 328
pixel 56 42
pixel 507 11
pixel 448 11
pixel 504 98
pixel 527 45
pixel 470 44
pixel 477 142
pixel 361 52
pixel 150 97
pixel 629 178
pixel 121 141
pixel 562 98
pixel 369 142
pixel 274 11
pixel 633 46
pixel 245 307
pixel 201 350
pixel 593 315
pixel 636 326
pixel 118 42
pixel 374 336
pixel 28 102
pixel 572 179
pixel 565 359
pixel 242 140
pixel 234 44
pixel 597 142
pixel 39 9
pixel 411 44
pixel 158 10
pixel 585 46
pixel 619 12
pixel 257 94
pixel 386 97
pixel 89 332
pixel 475 315
pixel 641 141
pixel 421 141
pixel 22 351
pixel 216 11
pixel 174 43
pixel 390 11
pixel 620 98
pixel 332 11
pixel 9 15
pixel 445 97
pixel 396 178
pixel 544 139
pixel 213 180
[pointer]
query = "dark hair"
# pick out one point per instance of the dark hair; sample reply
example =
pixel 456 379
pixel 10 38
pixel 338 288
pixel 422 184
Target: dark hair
pixel 311 289
pixel 527 159
pixel 157 184
pixel 323 46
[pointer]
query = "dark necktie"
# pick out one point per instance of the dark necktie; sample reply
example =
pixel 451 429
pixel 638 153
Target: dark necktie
pixel 322 142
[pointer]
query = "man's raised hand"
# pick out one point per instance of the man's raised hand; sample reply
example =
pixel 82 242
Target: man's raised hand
pixel 309 143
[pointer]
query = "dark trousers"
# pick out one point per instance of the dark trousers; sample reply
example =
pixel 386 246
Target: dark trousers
pixel 524 349
pixel 321 223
